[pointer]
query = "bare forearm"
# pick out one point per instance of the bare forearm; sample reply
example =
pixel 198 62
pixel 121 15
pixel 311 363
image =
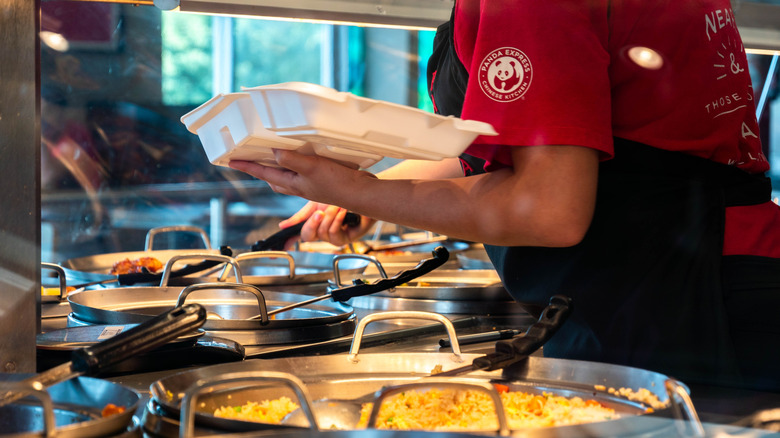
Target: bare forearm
pixel 478 208
pixel 545 199
pixel 417 169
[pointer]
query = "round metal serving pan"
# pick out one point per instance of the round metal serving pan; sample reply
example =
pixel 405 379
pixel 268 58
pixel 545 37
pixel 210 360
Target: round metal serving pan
pixel 268 268
pixel 355 376
pixel 396 259
pixel 78 403
pixel 98 267
pixel 293 335
pixel 445 307
pixel 335 377
pixel 500 304
pixel 442 291
pixel 157 423
pixel 54 307
pixel 460 284
pixel 228 308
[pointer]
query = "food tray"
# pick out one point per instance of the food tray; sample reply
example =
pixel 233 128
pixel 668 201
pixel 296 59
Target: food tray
pixel 313 119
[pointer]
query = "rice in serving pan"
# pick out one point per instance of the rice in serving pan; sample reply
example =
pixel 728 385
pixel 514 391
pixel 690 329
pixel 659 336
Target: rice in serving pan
pixel 267 411
pixel 473 410
pixel 447 409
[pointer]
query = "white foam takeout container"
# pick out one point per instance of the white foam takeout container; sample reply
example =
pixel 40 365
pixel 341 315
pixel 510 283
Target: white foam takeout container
pixel 313 119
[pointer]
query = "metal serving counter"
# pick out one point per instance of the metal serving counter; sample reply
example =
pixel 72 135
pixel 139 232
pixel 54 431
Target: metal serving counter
pixel 723 412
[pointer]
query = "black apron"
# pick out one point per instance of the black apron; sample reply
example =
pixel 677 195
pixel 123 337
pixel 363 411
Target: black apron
pixel 648 278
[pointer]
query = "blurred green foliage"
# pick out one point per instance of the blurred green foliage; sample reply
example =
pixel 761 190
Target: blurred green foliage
pixel 263 52
pixel 271 52
pixel 186 59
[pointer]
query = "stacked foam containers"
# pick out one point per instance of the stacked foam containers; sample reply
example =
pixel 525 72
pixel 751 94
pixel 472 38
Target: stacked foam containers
pixel 313 119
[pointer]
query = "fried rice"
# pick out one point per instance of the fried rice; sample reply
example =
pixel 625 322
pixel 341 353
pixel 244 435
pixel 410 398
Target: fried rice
pixel 267 411
pixel 473 410
pixel 447 409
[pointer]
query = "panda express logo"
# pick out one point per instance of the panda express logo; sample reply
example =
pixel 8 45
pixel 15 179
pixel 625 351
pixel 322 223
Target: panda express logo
pixel 505 74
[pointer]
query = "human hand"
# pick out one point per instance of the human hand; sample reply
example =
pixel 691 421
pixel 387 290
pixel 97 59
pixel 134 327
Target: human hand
pixel 326 222
pixel 311 177
pixel 317 179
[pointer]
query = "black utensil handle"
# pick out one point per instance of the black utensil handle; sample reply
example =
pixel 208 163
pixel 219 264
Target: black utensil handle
pixel 148 277
pixel 144 337
pixel 440 256
pixel 552 318
pixel 276 241
pixel 519 348
pixel 480 337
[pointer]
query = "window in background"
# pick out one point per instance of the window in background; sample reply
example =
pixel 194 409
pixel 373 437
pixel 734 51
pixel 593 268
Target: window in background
pixel 385 64
pixel 424 51
pixel 765 74
pixel 186 59
pixel 204 55
pixel 270 52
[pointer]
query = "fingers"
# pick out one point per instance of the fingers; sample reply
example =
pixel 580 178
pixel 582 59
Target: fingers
pixel 281 180
pixel 301 215
pixel 331 227
pixel 327 224
pixel 272 175
pixel 336 231
pixel 312 177
pixel 309 229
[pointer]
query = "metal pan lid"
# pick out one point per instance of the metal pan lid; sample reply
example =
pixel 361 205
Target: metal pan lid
pixel 72 338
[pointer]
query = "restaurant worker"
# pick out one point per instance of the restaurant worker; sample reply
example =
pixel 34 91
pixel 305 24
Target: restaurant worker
pixel 627 173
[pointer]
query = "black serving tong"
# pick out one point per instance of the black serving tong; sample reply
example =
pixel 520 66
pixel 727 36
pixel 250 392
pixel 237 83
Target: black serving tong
pixel 276 241
pixel 517 349
pixel 477 338
pixel 360 288
pixel 146 276
pixel 92 360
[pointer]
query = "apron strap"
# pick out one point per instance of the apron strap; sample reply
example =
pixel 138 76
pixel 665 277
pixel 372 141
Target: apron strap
pixel 739 187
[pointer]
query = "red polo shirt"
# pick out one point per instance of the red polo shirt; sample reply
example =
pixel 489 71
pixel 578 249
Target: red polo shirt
pixel 568 72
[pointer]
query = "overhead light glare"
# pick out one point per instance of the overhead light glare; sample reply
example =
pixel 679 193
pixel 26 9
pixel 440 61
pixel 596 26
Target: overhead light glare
pixel 646 57
pixel 310 20
pixel 54 41
pixel 769 52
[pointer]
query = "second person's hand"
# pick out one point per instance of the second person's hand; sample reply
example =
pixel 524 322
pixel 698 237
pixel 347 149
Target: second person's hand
pixel 326 222
pixel 317 179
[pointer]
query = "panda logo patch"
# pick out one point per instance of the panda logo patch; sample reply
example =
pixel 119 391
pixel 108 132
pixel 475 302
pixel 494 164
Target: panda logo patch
pixel 505 74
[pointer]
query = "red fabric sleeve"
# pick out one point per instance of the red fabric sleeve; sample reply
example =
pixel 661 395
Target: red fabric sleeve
pixel 554 88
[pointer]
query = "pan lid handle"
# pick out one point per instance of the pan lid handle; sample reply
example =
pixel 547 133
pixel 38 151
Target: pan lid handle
pixel 189 402
pixel 263 316
pixel 36 390
pixel 61 276
pixel 260 255
pixel 149 244
pixel 168 269
pixel 148 277
pixel 371 259
pixel 357 337
pixel 485 387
